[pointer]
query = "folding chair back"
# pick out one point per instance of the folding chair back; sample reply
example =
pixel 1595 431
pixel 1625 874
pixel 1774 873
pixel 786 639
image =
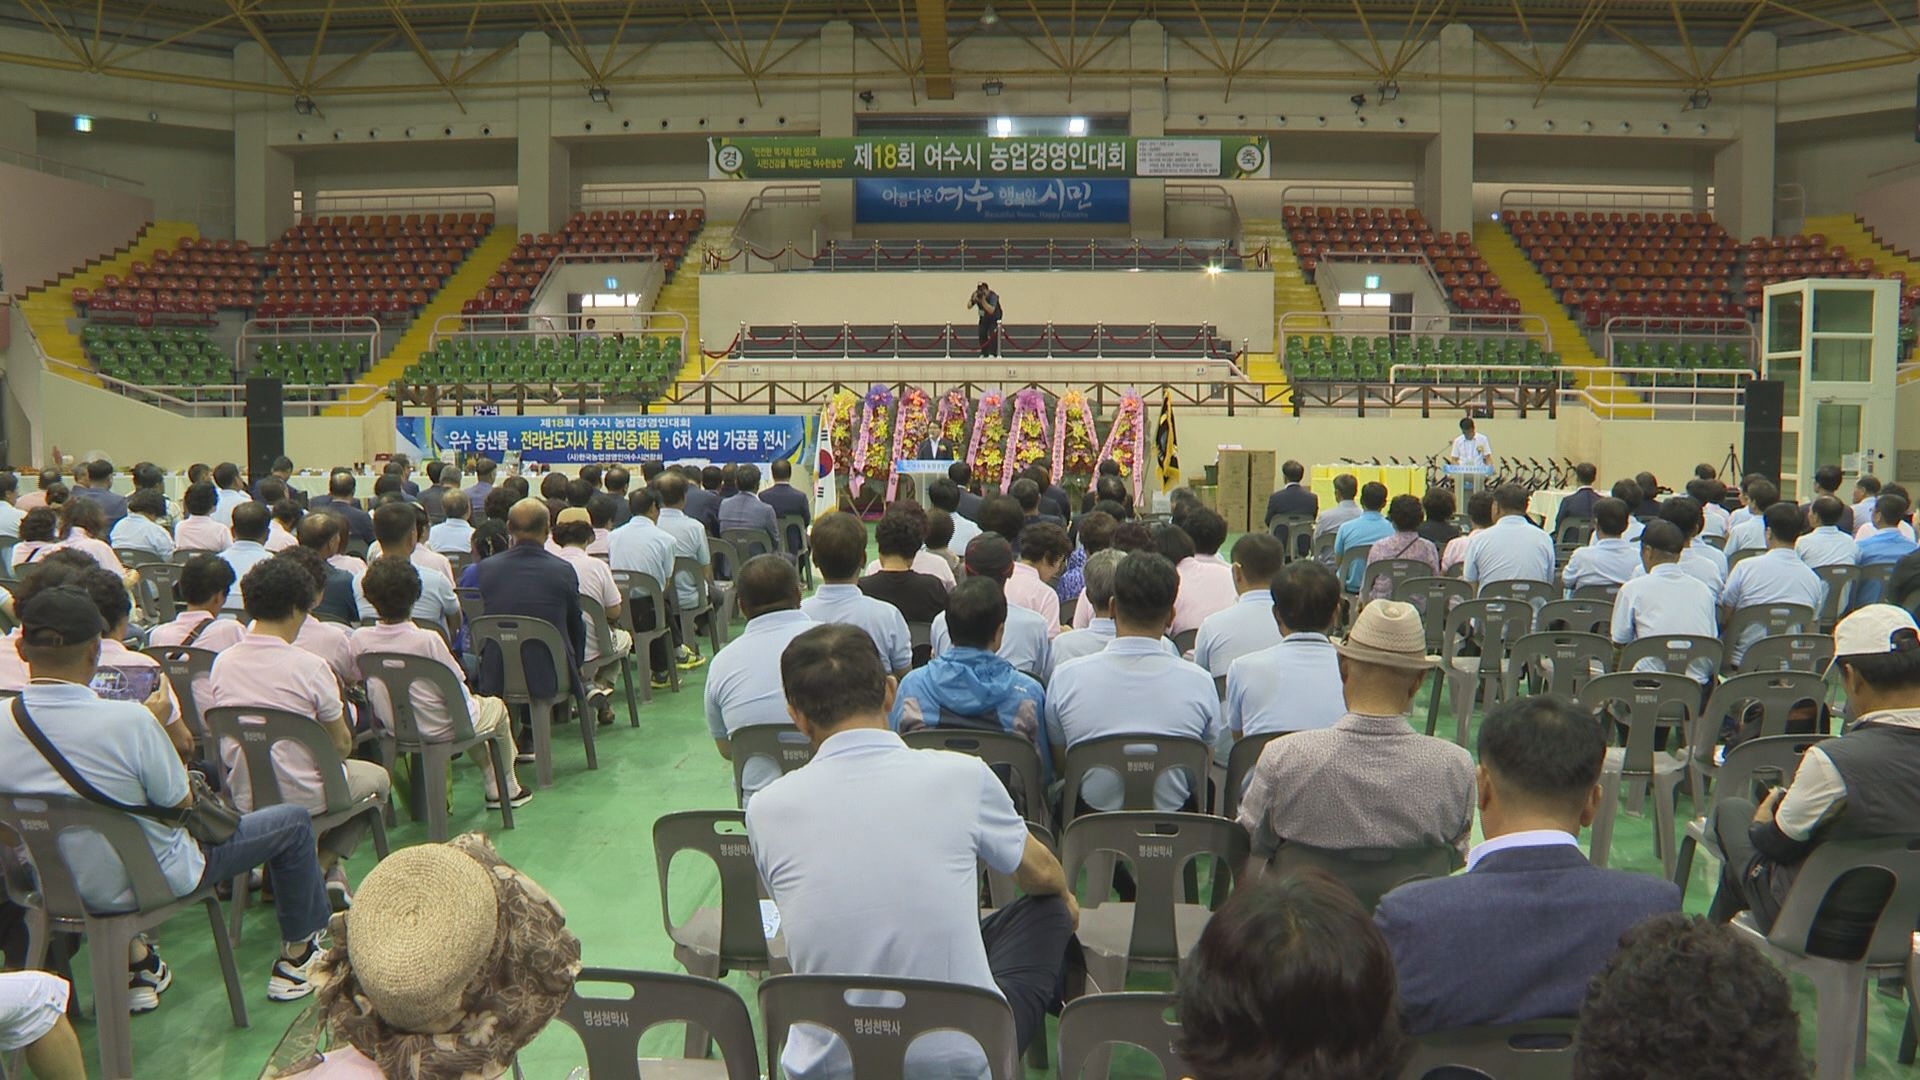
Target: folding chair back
pixel 1434 597
pixel 1240 762
pixel 1295 533
pixel 1894 859
pixel 1138 1019
pixel 877 1019
pixel 1139 761
pixel 1775 693
pixel 720 835
pixel 42 821
pixel 1396 571
pixel 1533 592
pixel 1158 848
pixel 1605 592
pixel 1774 618
pixel 749 543
pixel 1840 579
pixel 1012 757
pixel 610 1028
pixel 1535 1050
pixel 1677 653
pixel 1580 616
pixel 1370 872
pixel 390 679
pixel 514 636
pixel 1562 660
pixel 157 587
pixel 1788 652
pixel 1645 701
pixel 1184 641
pixel 257 732
pixel 782 744
pixel 186 668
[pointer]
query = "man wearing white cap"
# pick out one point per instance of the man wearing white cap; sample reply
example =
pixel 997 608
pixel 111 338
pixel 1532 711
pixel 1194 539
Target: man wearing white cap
pixel 1864 784
pixel 1369 781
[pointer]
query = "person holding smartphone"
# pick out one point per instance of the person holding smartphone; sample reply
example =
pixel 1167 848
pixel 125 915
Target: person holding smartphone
pixel 988 302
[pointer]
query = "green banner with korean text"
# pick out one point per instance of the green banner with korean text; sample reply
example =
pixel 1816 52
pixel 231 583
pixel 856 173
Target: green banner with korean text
pixel 1174 157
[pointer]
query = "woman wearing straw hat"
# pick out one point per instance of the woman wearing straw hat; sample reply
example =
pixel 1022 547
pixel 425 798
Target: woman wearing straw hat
pixel 1369 781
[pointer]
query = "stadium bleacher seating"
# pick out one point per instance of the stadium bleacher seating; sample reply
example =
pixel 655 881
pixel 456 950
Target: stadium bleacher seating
pixel 161 356
pixel 623 366
pixel 379 266
pixel 1783 258
pixel 1677 267
pixel 934 341
pixel 190 283
pixel 665 235
pixel 1680 357
pixel 1338 358
pixel 1399 234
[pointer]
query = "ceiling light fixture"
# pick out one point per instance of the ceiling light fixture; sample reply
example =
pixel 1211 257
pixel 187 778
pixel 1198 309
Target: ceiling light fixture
pixel 303 105
pixel 992 87
pixel 1699 99
pixel 988 16
pixel 1002 126
pixel 598 94
pixel 1389 91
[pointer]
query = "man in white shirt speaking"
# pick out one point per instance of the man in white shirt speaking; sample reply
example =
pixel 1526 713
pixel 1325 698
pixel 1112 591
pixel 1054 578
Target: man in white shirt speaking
pixel 1468 447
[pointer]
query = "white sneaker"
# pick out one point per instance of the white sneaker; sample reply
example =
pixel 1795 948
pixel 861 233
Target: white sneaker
pixel 293 980
pixel 146 981
pixel 339 893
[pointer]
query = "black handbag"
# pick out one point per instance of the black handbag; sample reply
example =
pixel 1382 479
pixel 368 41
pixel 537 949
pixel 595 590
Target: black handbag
pixel 208 817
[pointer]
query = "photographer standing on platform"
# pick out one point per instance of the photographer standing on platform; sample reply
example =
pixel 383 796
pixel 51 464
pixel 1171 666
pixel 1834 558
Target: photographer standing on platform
pixel 988 302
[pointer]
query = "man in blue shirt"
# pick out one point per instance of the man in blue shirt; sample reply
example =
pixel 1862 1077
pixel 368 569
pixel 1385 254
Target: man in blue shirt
pixel 744 509
pixel 1700 559
pixel 1247 626
pixel 689 542
pixel 1750 532
pixel 969 685
pixel 1369 526
pixel 1343 510
pixel 1607 559
pixel 642 546
pixel 859 894
pixel 1666 600
pixel 839 545
pixel 1295 684
pixel 1887 545
pixel 1513 548
pixel 1133 687
pixel 743 682
pixel 1828 544
pixel 483 472
pixel 249 547
pixel 99 488
pixel 1777 577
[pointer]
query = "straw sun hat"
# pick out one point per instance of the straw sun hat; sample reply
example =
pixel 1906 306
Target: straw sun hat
pixel 1388 633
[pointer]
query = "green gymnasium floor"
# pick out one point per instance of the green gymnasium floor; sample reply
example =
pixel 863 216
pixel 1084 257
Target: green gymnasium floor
pixel 588 841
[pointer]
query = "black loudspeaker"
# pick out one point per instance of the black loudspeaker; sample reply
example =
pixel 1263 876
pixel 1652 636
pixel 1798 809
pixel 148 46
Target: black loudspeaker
pixel 1766 401
pixel 266 426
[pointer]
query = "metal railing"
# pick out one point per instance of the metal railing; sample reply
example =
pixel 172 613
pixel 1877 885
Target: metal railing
pixel 639 197
pixel 1622 328
pixel 70 171
pixel 307 328
pixel 1355 194
pixel 335 203
pixel 896 343
pixel 1438 324
pixel 1033 254
pixel 554 327
pixel 224 399
pixel 1641 200
pixel 1207 197
pixel 1416 257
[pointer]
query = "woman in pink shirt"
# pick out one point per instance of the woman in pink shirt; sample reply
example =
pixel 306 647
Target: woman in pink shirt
pixel 81 521
pixel 197 531
pixel 1206 581
pixel 36 537
pixel 202 587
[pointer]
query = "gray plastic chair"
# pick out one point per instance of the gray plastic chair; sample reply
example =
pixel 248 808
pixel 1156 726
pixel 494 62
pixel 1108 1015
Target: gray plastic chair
pixel 395 674
pixel 1533 592
pixel 40 821
pixel 1871 586
pixel 1775 693
pixel 1678 653
pixel 1840 579
pixel 602 630
pixel 471 605
pixel 1535 1050
pixel 1139 761
pixel 1156 930
pixel 920 636
pixel 877 1019
pixel 1770 760
pixel 1788 652
pixel 727 561
pixel 156 592
pixel 1295 533
pixel 257 732
pixel 1776 618
pixel 1606 592
pixel 1735 558
pixel 1646 702
pixel 1397 572
pixel 713 940
pixel 1584 616
pixel 1559 661
pixel 689 617
pixel 187 667
pixel 793 541
pixel 749 543
pixel 640 588
pixel 1011 756
pixel 1322 546
pixel 135 558
pixel 1370 872
pixel 511 634
pixel 1840 986
pixel 782 744
pixel 1501 623
pixel 1343 566
pixel 1429 594
pixel 1240 762
pixel 1090 1025
pixel 610 1028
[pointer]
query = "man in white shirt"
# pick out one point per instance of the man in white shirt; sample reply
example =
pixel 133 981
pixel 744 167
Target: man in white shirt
pixel 1294 684
pixel 249 547
pixel 1665 600
pixel 573 530
pixel 1513 548
pixel 1090 639
pixel 1469 447
pixel 417 550
pixel 1866 491
pixel 1750 532
pixel 1708 494
pixel 1827 545
pixel 743 683
pixel 267 670
pixel 690 542
pixel 141 529
pixel 1607 559
pixel 1132 687
pixel 642 546
pixel 10 514
pixel 397 525
pixel 859 894
pixel 1248 626
pixel 1777 577
pixel 454 534
pixel 1344 509
pixel 944 494
pixel 231 492
pixel 1025 643
pixel 838 541
pixel 1700 559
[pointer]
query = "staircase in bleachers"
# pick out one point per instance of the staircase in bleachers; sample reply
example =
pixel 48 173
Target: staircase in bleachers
pixel 49 311
pixel 1602 265
pixel 1395 234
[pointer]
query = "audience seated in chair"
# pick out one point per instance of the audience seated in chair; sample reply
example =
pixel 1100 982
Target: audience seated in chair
pixel 530 581
pixel 692 588
pixel 642 546
pixel 119 749
pixel 838 542
pixel 1248 625
pixel 1073 644
pixel 1133 687
pixel 1343 510
pixel 1608 558
pixel 201 589
pixel 920 597
pixel 1206 581
pixel 1684 999
pixel 326 640
pixel 1513 547
pixel 1044 551
pixel 743 686
pixel 1292 497
pixel 1479 520
pixel 450 964
pixel 249 547
pixel 1864 784
pixel 1369 527
pixel 1369 781
pixel 1405 515
pixel 1026 641
pixel 1702 560
pixel 143 528
pixel 1290 979
pixel 924 560
pixel 573 532
pixel 1831 540
pixel 970 681
pixel 1294 685
pixel 1518 935
pixel 454 534
pixel 861 895
pixel 1664 600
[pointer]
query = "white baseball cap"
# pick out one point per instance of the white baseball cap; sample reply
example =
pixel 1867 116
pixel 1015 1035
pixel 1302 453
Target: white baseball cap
pixel 1872 630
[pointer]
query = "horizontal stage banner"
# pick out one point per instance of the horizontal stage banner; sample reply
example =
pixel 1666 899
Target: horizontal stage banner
pixel 570 440
pixel 917 201
pixel 1235 157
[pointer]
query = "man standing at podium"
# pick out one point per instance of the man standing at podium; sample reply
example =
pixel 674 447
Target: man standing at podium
pixel 1470 448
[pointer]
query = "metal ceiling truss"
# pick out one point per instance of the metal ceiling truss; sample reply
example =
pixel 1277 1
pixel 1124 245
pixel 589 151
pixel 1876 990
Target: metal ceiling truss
pixel 1683 45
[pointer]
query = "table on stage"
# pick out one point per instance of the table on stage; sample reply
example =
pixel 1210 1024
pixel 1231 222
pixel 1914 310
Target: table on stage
pixel 1400 479
pixel 922 473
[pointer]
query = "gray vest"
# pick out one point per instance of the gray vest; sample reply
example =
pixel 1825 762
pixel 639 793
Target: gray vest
pixel 1880 764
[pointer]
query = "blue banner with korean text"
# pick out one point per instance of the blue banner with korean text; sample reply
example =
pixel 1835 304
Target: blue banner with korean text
pixel 910 200
pixel 578 440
